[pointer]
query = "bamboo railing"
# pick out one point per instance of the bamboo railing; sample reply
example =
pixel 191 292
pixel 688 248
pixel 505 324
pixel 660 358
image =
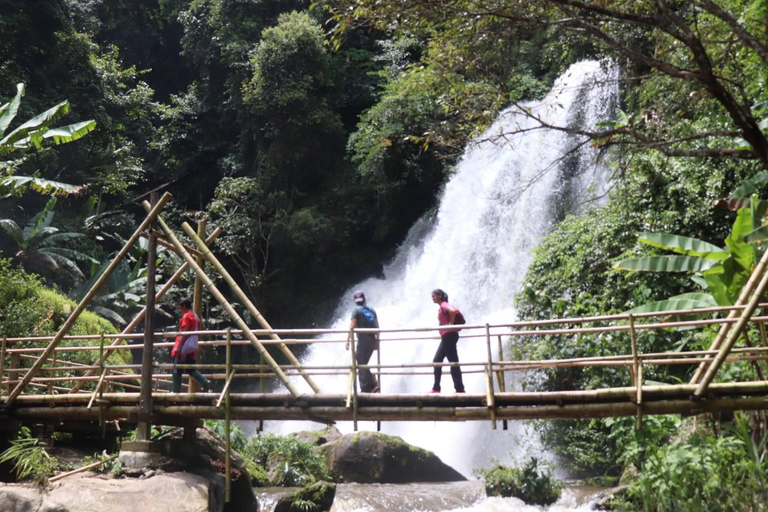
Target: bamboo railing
pixel 107 391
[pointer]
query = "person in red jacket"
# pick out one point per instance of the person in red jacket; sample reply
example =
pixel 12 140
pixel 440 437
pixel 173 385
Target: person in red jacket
pixel 448 340
pixel 185 348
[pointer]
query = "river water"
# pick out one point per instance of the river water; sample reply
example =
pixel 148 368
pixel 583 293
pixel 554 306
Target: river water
pixel 455 496
pixel 507 193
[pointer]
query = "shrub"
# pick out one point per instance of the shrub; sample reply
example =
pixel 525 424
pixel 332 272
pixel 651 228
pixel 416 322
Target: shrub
pixel 288 460
pixel 532 482
pixel 275 460
pixel 30 459
pixel 704 472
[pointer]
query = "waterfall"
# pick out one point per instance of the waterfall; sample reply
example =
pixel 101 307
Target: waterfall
pixel 506 194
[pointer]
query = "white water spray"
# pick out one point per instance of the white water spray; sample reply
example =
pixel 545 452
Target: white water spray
pixel 506 194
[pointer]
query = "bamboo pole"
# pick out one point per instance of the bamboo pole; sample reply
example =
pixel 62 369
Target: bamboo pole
pixel 734 333
pixel 144 428
pixel 635 361
pixel 197 298
pixel 2 362
pixel 378 372
pixel 226 305
pixel 743 296
pixel 246 301
pixel 353 352
pixel 140 316
pixel 98 386
pixel 500 375
pixel 225 391
pixel 168 245
pixel 227 423
pixel 153 212
pixel 489 377
pixel 82 469
pixel 639 404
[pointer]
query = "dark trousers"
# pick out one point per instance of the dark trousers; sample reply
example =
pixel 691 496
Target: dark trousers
pixel 176 378
pixel 447 349
pixel 366 344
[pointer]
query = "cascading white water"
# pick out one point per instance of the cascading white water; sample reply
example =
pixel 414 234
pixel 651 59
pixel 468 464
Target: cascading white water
pixel 506 194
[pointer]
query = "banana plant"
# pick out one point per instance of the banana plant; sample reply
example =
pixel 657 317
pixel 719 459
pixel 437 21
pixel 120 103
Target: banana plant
pixel 15 145
pixel 43 248
pixel 720 271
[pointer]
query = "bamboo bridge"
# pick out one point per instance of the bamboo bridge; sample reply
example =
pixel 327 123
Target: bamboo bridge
pixel 44 380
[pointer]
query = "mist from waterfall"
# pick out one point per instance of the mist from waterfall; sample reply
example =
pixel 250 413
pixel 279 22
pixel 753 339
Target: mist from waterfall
pixel 508 191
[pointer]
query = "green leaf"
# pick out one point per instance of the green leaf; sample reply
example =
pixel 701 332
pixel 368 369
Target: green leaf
pixel 743 253
pixel 757 235
pixel 9 110
pixel 15 185
pixel 718 289
pixel 71 132
pixel 679 302
pixel 35 127
pixel 683 245
pixel 751 186
pixel 665 264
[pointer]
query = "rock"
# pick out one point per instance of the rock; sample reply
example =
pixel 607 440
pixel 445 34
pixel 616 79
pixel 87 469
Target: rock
pixel 176 492
pixel 319 437
pixel 20 498
pixel 209 445
pixel 319 493
pixel 629 475
pixel 370 457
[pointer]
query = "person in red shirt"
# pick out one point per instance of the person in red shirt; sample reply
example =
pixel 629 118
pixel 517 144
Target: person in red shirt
pixel 448 340
pixel 185 348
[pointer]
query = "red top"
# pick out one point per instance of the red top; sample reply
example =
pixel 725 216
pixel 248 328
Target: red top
pixel 189 322
pixel 443 318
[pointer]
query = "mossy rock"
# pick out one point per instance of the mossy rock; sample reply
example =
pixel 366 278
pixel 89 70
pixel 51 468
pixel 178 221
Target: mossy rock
pixel 318 496
pixel 370 457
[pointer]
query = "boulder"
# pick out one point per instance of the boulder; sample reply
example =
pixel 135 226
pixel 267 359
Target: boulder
pixel 173 492
pixel 319 437
pixel 321 494
pixel 370 457
pixel 20 498
pixel 209 445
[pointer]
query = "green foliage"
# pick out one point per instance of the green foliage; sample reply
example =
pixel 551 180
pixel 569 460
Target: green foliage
pixel 27 308
pixel 703 472
pixel 296 462
pixel 29 458
pixel 291 462
pixel 45 249
pixel 532 481
pixel 16 144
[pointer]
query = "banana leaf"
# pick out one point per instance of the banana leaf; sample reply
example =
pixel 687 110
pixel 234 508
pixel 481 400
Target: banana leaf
pixel 665 264
pixel 683 245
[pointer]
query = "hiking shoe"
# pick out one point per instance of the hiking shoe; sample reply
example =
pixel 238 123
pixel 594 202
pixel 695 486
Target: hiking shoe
pixel 434 391
pixel 462 391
